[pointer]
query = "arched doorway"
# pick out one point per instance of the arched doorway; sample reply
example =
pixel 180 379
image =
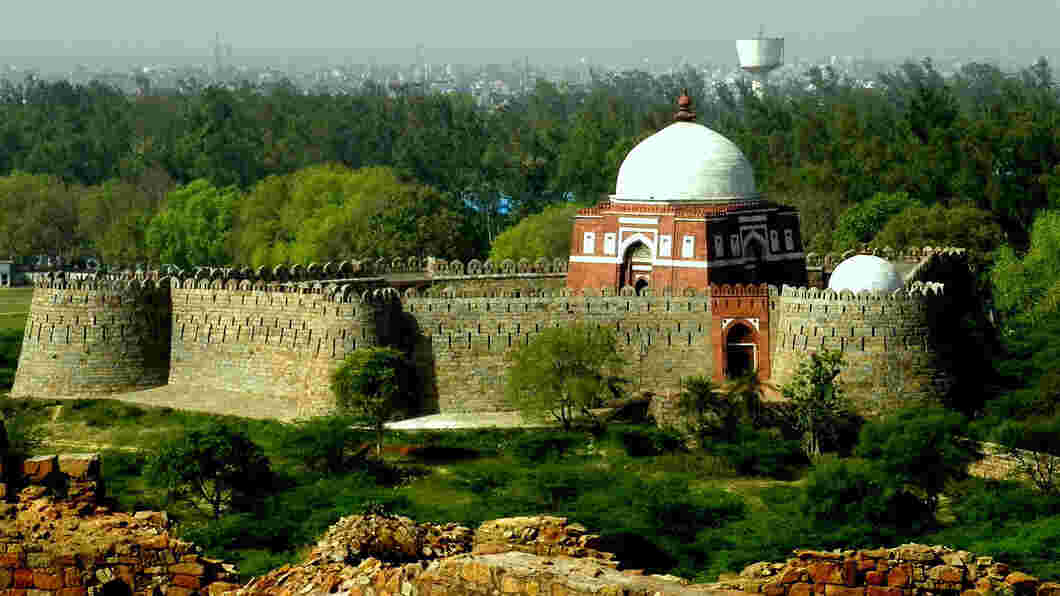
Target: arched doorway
pixel 637 266
pixel 741 352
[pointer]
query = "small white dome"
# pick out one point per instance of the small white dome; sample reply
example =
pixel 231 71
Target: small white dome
pixel 865 272
pixel 685 163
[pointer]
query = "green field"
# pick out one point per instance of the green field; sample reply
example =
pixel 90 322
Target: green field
pixel 14 307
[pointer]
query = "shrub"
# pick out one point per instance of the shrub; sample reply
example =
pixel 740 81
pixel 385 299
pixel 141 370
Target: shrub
pixel 989 501
pixel 545 445
pixel 326 444
pixel 645 441
pixel 918 447
pixel 10 347
pixel 761 453
pixel 861 496
pixel 216 464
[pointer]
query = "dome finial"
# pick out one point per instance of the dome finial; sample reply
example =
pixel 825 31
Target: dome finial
pixel 684 108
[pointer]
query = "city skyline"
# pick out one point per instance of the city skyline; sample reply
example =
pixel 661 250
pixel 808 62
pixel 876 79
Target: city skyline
pixel 548 31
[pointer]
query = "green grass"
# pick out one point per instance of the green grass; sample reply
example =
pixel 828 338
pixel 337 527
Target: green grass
pixel 14 307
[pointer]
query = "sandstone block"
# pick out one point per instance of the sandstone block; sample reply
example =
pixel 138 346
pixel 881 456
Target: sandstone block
pixel 6 578
pixel 187 581
pixel 219 588
pixel 791 576
pixel 884 591
pixel 971 593
pixel 900 576
pixel 826 573
pixel 946 573
pixel 511 585
pixel 915 552
pixel 875 578
pixel 36 469
pixel 80 466
pixel 179 591
pixel 47 581
pixel 187 569
pixel 10 559
pixel 73 591
pixel 774 589
pixel 72 577
pixel 1021 582
pixel 800 589
pixel 831 590
pixel 23 578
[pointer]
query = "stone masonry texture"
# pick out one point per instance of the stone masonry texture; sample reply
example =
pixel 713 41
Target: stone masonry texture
pixel 278 334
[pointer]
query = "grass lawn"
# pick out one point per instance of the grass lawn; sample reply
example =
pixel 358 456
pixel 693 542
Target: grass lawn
pixel 14 307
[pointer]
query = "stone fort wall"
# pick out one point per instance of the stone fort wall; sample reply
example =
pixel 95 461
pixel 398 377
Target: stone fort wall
pixel 94 337
pixel 889 341
pixel 465 337
pixel 281 331
pixel 271 342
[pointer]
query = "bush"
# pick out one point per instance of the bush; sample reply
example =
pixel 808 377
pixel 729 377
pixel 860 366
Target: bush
pixel 989 501
pixel 216 465
pixel 645 441
pixel 327 445
pixel 866 500
pixel 10 347
pixel 760 453
pixel 918 447
pixel 545 445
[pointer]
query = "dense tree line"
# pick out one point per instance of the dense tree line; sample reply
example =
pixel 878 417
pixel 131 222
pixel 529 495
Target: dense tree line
pixel 90 170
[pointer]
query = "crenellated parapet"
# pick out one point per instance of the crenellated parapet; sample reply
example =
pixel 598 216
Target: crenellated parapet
pixel 94 335
pixel 913 255
pixel 889 341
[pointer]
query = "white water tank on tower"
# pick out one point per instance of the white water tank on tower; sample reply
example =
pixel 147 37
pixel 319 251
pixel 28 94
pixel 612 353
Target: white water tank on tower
pixel 759 56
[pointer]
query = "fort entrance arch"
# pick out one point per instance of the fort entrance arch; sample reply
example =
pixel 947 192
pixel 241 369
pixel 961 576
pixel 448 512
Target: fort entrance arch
pixel 637 266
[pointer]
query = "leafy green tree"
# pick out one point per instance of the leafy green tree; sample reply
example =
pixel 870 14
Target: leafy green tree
pixel 330 213
pixel 193 226
pixel 860 223
pixel 216 465
pixel 1035 447
pixel 920 447
pixel 38 214
pixel 325 444
pixel 818 405
pixel 962 226
pixel 546 234
pixel 373 385
pixel 564 372
pixel 113 220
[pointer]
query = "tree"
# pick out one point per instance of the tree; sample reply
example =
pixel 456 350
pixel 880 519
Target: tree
pixel 216 464
pixel 373 384
pixel 193 226
pixel 325 444
pixel 962 226
pixel 546 234
pixel 564 372
pixel 860 223
pixel 1035 447
pixel 817 400
pixel 331 213
pixel 707 409
pixel 919 447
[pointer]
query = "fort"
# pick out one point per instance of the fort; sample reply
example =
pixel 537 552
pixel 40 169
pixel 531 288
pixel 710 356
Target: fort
pixel 694 271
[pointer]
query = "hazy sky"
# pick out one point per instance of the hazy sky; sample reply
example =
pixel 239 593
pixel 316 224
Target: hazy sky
pixel 883 28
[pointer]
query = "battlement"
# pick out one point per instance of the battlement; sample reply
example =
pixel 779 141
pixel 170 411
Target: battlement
pixel 912 291
pixel 915 255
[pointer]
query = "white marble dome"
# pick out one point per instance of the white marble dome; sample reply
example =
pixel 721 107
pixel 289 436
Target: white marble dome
pixel 865 272
pixel 685 163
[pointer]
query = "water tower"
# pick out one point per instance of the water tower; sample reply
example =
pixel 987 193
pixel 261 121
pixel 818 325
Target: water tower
pixel 759 56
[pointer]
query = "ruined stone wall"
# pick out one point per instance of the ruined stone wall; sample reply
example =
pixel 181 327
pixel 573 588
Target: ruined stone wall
pixel 905 570
pixel 271 342
pixel 889 342
pixel 464 339
pixel 94 337
pixel 56 539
